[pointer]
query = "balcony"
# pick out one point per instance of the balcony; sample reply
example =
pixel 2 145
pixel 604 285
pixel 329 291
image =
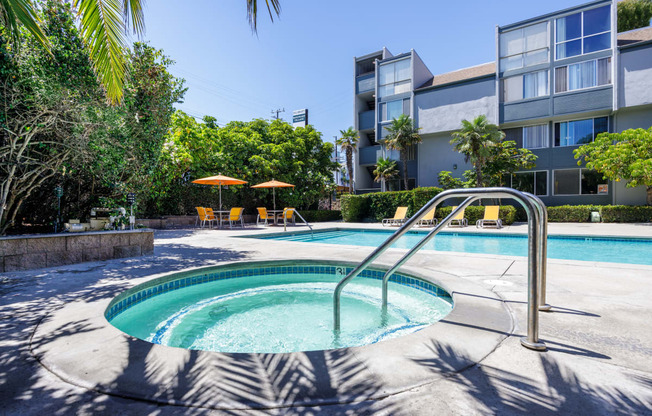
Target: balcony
pixel 366 120
pixel 369 155
pixel 365 83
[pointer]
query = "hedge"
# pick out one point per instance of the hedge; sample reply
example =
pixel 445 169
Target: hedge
pixel 354 207
pixel 582 213
pixel 571 213
pixel 626 213
pixel 321 215
pixel 473 213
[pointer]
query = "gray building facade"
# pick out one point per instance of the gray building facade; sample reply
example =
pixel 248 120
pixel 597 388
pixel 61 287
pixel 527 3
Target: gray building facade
pixel 558 80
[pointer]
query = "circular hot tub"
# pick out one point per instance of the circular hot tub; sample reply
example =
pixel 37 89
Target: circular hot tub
pixel 275 307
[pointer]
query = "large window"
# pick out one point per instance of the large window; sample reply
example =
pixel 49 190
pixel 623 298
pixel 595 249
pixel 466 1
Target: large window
pixel 535 137
pixel 573 133
pixel 524 47
pixel 583 32
pixel 583 75
pixel 519 87
pixel 393 109
pixel 577 182
pixel 533 182
pixel 394 78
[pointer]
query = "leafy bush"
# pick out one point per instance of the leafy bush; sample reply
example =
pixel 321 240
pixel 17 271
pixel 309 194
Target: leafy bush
pixel 571 213
pixel 625 213
pixel 384 204
pixel 507 213
pixel 321 215
pixel 421 196
pixel 354 207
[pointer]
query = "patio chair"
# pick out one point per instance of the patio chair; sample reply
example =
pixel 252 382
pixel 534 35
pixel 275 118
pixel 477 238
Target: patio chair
pixel 459 220
pixel 428 220
pixel 234 216
pixel 288 216
pixel 263 216
pixel 206 215
pixel 490 219
pixel 399 217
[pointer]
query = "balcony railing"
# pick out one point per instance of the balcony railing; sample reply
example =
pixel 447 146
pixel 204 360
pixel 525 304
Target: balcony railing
pixel 365 83
pixel 369 155
pixel 366 120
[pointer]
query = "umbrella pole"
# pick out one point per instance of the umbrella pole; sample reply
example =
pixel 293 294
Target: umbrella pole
pixel 220 211
pixel 274 197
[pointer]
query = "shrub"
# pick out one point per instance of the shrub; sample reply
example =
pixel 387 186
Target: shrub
pixel 321 215
pixel 625 213
pixel 507 213
pixel 354 207
pixel 384 204
pixel 571 213
pixel 421 196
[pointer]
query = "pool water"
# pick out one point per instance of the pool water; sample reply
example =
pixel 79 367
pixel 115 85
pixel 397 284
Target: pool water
pixel 279 313
pixel 615 250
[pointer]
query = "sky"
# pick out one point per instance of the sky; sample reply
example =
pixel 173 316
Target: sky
pixel 304 59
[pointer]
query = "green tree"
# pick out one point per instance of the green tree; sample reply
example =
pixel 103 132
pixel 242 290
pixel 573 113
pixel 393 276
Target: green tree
pixel 621 156
pixel 385 169
pixel 348 143
pixel 475 141
pixel 634 14
pixel 402 136
pixel 505 159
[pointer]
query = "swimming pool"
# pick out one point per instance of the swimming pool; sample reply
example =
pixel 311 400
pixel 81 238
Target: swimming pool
pixel 606 249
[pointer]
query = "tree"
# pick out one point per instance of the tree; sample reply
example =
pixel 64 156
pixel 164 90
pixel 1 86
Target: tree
pixel 104 26
pixel 634 14
pixel 621 156
pixel 402 135
pixel 504 160
pixel 475 141
pixel 349 142
pixel 385 169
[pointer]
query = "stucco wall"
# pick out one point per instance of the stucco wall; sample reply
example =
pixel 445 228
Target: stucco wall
pixel 437 154
pixel 635 76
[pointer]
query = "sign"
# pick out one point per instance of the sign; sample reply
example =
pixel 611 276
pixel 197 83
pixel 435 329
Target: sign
pixel 300 118
pixel 603 189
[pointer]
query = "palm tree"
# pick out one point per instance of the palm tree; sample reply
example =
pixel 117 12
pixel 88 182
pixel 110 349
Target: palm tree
pixel 475 140
pixel 104 27
pixel 385 169
pixel 402 135
pixel 348 143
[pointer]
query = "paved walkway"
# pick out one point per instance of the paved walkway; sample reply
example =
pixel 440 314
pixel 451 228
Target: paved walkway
pixel 599 337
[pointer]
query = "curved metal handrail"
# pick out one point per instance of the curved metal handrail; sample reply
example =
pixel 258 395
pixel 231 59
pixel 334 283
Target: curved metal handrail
pixel 285 222
pixel 536 250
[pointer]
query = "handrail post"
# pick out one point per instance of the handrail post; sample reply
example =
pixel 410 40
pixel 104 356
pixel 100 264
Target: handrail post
pixel 543 251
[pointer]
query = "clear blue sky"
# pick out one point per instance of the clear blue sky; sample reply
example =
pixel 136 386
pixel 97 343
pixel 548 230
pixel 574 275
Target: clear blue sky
pixel 305 58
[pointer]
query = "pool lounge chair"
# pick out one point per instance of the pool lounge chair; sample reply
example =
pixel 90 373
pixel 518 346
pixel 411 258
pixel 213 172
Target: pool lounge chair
pixel 205 215
pixel 490 219
pixel 428 220
pixel 459 220
pixel 235 216
pixel 288 215
pixel 263 216
pixel 399 217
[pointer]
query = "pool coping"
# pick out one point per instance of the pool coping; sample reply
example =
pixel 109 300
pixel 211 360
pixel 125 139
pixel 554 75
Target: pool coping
pixel 95 357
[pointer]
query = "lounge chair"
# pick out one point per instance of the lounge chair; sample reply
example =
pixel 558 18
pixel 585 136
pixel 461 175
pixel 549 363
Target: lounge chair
pixel 234 216
pixel 459 220
pixel 399 217
pixel 428 220
pixel 288 216
pixel 263 216
pixel 206 215
pixel 490 219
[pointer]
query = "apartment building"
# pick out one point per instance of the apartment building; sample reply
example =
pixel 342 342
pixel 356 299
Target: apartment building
pixel 558 80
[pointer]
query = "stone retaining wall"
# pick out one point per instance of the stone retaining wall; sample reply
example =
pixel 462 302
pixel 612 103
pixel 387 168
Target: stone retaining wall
pixel 51 250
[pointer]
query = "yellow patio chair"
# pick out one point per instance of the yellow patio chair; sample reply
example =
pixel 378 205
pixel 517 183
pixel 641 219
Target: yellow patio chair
pixel 288 216
pixel 263 216
pixel 429 219
pixel 206 215
pixel 490 219
pixel 399 217
pixel 459 220
pixel 234 216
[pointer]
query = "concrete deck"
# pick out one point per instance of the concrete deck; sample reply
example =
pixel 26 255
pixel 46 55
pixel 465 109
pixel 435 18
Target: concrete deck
pixel 599 357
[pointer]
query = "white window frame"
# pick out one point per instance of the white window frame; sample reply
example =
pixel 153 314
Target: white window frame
pixel 579 119
pixel 581 38
pixel 534 184
pixel 579 186
pixel 538 97
pixel 522 28
pixel 394 83
pixel 535 125
pixel 611 81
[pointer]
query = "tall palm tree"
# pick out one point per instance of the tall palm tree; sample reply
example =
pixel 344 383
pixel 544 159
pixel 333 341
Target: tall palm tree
pixel 475 140
pixel 104 27
pixel 348 143
pixel 385 169
pixel 402 135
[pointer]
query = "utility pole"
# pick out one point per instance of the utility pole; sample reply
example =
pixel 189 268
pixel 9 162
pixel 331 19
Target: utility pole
pixel 337 159
pixel 275 112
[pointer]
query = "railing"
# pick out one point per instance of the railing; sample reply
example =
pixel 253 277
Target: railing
pixel 537 251
pixel 285 221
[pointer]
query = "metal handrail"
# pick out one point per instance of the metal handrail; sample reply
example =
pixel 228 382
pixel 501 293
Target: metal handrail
pixel 285 221
pixel 536 250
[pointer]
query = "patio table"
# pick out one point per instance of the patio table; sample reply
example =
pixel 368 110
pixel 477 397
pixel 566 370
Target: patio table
pixel 275 212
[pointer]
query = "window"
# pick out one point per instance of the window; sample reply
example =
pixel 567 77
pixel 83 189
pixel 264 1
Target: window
pixel 393 109
pixel 524 47
pixel 573 133
pixel 535 137
pixel 577 181
pixel 583 32
pixel 583 75
pixel 533 182
pixel 394 78
pixel 534 84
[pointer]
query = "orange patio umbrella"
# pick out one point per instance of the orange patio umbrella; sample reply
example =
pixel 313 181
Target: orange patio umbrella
pixel 219 180
pixel 273 184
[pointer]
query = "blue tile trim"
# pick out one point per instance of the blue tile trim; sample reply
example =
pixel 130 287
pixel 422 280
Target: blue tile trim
pixel 149 292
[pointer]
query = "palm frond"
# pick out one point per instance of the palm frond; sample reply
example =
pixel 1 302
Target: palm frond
pixel 14 12
pixel 273 7
pixel 134 16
